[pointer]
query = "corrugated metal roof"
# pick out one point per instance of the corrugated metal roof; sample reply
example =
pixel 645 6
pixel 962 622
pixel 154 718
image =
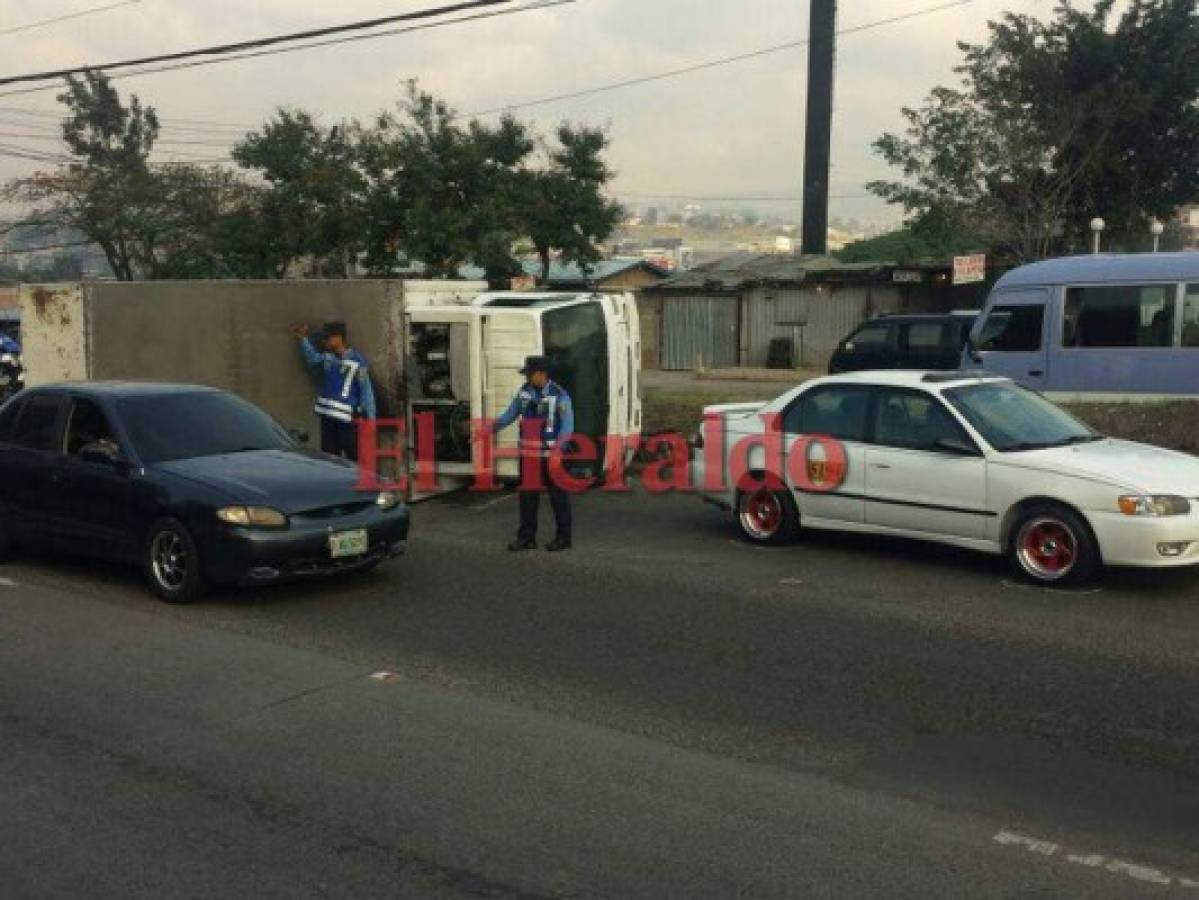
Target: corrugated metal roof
pixel 741 270
pixel 564 274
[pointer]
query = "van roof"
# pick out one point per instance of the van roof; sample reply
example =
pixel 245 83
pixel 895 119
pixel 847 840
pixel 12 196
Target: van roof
pixel 1104 267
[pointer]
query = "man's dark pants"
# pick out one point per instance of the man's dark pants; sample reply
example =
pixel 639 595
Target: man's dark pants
pixel 339 438
pixel 531 489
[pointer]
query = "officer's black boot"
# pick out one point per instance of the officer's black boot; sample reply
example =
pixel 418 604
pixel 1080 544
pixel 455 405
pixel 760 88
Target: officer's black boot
pixel 558 543
pixel 518 545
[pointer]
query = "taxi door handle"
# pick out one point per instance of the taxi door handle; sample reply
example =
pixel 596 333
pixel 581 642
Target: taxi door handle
pixel 880 466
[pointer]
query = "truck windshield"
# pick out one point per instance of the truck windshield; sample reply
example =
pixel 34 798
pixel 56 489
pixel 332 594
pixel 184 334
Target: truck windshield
pixel 168 427
pixel 576 339
pixel 1012 419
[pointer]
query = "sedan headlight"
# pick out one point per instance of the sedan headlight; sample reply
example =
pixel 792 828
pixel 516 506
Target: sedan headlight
pixel 252 516
pixel 1155 505
pixel 388 500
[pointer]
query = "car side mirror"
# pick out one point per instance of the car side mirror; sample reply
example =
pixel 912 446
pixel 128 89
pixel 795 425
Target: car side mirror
pixel 104 454
pixel 299 435
pixel 956 447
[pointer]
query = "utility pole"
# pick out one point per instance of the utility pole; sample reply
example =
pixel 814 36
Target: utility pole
pixel 822 52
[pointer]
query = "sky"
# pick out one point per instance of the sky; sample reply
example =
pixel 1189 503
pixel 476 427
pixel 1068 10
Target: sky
pixel 734 131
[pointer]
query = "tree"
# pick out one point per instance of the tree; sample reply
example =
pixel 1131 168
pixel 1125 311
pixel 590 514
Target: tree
pixel 922 241
pixel 564 207
pixel 446 193
pixel 313 202
pixel 1056 122
pixel 106 191
pixel 440 192
pixel 150 221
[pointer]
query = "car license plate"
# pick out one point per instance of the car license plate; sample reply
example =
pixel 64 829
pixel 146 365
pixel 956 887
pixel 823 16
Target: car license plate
pixel 348 543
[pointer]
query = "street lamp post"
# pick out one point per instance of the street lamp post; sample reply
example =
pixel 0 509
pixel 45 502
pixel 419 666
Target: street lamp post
pixel 1097 226
pixel 1157 229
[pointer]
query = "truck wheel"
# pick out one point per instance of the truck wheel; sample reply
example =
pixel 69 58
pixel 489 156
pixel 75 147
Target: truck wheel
pixel 172 562
pixel 1052 545
pixel 767 517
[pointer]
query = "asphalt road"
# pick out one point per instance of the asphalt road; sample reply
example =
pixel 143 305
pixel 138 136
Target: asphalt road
pixel 663 712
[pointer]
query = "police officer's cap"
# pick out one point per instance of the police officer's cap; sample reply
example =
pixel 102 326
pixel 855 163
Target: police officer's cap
pixel 537 364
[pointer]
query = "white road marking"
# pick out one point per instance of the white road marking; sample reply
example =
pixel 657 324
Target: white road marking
pixel 791 582
pixel 7 582
pixel 1019 586
pixel 737 542
pixel 385 677
pixel 495 502
pixel 1135 871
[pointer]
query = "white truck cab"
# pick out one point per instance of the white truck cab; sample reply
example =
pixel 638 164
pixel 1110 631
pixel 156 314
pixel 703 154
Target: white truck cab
pixel 464 366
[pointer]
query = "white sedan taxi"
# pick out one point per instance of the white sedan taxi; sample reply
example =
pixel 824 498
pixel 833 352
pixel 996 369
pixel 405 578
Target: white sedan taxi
pixel 973 461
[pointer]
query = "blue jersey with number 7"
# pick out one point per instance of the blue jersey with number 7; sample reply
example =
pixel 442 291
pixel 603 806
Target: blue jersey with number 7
pixel 346 389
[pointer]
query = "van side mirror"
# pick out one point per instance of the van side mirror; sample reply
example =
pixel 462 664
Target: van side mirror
pixel 972 349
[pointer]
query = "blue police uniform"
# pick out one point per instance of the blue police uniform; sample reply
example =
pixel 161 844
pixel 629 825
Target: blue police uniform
pixel 346 394
pixel 550 407
pixel 547 423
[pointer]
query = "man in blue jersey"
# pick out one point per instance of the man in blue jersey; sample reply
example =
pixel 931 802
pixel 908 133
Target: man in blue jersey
pixel 346 393
pixel 547 421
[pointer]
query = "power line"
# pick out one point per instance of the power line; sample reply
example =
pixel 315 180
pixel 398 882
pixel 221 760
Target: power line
pixel 225 49
pixel 710 64
pixel 171 124
pixel 165 142
pixel 95 10
pixel 541 4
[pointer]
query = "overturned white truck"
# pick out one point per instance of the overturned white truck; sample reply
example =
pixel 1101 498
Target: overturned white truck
pixel 441 348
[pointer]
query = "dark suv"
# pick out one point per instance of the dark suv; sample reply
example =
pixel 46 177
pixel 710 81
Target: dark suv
pixel 905 342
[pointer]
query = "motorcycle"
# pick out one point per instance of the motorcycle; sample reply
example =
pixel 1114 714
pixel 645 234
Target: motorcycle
pixel 12 375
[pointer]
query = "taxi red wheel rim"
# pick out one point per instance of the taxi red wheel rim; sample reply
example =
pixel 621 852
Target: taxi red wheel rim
pixel 1048 549
pixel 762 514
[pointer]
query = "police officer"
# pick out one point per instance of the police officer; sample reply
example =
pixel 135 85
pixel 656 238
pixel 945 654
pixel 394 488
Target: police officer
pixel 346 393
pixel 547 422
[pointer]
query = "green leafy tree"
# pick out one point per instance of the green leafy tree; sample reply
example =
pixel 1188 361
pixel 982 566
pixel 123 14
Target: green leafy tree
pixel 564 207
pixel 312 207
pixel 1055 122
pixel 151 221
pixel 441 192
pixel 106 192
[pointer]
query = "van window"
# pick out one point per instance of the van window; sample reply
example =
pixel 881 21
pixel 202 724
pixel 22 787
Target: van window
pixel 1013 329
pixel 1120 316
pixel 1190 317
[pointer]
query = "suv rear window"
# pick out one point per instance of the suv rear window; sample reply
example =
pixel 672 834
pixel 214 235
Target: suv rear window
pixel 927 335
pixel 871 336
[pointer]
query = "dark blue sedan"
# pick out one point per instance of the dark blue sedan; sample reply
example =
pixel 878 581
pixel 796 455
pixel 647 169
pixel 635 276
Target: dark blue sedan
pixel 194 485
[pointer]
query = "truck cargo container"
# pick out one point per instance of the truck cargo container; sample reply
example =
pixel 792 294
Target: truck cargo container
pixel 443 348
